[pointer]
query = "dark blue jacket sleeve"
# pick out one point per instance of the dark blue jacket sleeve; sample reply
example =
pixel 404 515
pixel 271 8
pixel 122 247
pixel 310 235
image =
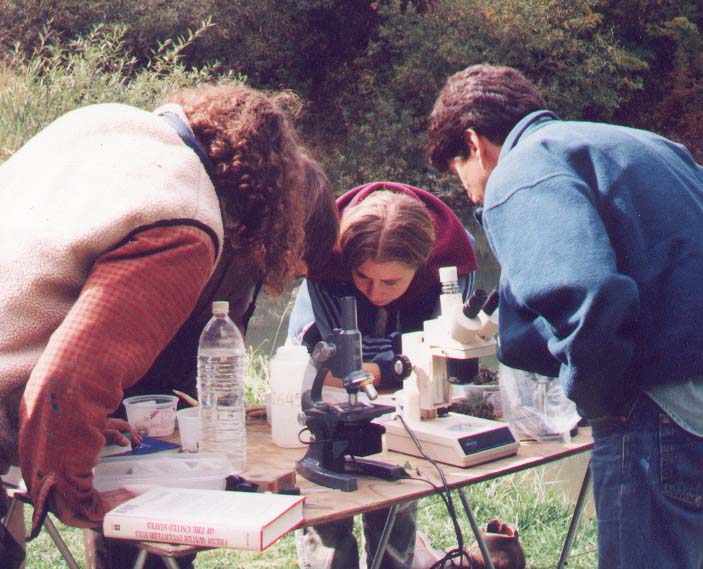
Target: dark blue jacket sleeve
pixel 301 317
pixel 317 311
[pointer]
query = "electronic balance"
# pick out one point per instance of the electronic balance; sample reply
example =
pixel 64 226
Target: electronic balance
pixel 463 331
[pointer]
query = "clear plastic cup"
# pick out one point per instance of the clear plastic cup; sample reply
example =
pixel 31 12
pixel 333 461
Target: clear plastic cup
pixel 189 428
pixel 152 415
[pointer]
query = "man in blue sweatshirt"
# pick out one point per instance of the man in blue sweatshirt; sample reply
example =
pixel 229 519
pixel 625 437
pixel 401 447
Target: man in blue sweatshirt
pixel 599 233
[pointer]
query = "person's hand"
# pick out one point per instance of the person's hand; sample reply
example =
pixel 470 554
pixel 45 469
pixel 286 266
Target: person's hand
pixel 114 498
pixel 114 429
pixel 374 370
pixel 368 367
pixel 331 381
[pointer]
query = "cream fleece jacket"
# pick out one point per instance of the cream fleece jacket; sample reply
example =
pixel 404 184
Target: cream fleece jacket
pixel 76 190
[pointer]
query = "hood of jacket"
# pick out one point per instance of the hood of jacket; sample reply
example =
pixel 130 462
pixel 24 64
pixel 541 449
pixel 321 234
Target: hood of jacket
pixel 452 246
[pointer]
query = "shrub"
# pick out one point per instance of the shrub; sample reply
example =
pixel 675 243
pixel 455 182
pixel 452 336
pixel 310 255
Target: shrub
pixel 59 75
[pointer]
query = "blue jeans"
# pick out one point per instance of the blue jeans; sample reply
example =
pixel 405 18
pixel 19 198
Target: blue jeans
pixel 648 489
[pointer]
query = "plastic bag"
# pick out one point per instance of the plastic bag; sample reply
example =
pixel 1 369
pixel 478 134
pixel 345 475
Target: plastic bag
pixel 535 406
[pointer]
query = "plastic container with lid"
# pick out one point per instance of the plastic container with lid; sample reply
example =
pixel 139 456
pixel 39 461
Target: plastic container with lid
pixel 152 415
pixel 286 373
pixel 180 470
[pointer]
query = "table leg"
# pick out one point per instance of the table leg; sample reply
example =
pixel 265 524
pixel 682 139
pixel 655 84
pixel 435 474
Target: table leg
pixel 140 560
pixel 575 518
pixel 60 543
pixel 488 562
pixel 14 525
pixel 14 520
pixel 383 541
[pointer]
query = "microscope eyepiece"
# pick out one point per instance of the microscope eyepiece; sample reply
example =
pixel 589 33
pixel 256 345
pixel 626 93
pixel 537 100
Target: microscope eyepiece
pixel 491 303
pixel 474 304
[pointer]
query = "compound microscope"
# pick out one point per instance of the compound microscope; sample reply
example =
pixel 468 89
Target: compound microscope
pixel 462 331
pixel 342 432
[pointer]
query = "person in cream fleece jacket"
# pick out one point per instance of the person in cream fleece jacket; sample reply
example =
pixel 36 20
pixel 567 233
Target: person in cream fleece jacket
pixel 115 220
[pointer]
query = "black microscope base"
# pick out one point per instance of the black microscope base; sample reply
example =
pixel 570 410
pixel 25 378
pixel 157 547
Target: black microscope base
pixel 346 481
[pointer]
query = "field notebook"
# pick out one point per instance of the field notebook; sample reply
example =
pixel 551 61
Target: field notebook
pixel 206 518
pixel 148 446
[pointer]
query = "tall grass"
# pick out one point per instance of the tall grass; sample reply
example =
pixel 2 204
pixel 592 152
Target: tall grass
pixel 257 374
pixel 60 75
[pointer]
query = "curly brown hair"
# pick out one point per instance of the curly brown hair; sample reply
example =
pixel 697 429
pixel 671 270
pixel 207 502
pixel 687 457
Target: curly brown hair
pixel 258 162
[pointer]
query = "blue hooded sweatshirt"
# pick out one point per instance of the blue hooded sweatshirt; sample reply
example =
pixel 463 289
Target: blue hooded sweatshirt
pixel 599 233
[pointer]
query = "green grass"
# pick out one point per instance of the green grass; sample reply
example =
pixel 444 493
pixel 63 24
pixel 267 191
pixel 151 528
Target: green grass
pixel 526 500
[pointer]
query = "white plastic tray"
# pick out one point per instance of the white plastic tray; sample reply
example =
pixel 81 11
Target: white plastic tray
pixel 181 470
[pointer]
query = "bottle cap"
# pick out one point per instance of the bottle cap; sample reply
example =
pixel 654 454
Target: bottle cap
pixel 448 274
pixel 220 307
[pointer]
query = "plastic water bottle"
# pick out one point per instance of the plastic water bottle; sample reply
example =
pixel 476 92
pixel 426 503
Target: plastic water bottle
pixel 221 366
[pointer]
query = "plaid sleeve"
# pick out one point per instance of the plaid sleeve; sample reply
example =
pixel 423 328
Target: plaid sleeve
pixel 133 302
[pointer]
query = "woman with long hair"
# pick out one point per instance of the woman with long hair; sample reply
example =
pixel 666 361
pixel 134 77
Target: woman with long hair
pixel 393 240
pixel 117 220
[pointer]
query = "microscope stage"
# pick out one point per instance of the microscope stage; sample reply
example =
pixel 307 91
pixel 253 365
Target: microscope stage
pixel 456 439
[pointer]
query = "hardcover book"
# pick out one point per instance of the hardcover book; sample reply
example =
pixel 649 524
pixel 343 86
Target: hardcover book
pixel 206 518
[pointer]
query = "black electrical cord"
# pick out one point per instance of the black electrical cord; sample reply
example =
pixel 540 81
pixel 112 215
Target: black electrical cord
pixel 458 552
pixel 300 439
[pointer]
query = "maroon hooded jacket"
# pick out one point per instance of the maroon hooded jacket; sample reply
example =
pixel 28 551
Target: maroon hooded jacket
pixel 452 245
pixel 319 299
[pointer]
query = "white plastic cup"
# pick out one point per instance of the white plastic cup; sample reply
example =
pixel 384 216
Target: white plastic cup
pixel 152 415
pixel 287 370
pixel 189 428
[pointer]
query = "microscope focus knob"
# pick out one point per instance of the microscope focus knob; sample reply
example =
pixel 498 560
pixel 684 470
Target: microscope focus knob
pixel 402 366
pixel 323 352
pixel 370 390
